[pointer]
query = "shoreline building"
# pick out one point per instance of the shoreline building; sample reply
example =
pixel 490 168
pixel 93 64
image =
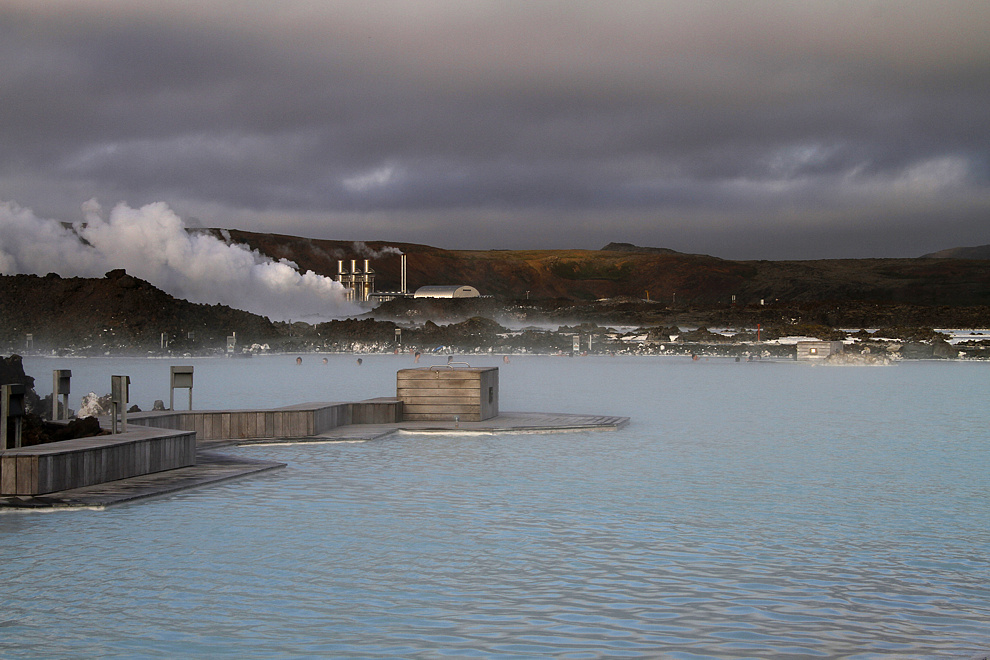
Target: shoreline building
pixel 818 350
pixel 447 291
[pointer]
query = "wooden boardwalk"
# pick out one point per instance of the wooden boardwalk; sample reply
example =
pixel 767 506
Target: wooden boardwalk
pixel 212 467
pixel 506 422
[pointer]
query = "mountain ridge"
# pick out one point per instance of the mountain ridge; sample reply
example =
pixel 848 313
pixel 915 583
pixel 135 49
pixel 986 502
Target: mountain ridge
pixel 653 273
pixel 974 252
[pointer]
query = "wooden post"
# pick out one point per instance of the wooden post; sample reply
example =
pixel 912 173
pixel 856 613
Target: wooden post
pixel 119 398
pixel 12 402
pixel 181 377
pixel 60 388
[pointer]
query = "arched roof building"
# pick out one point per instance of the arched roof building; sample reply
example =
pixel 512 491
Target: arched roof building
pixel 447 291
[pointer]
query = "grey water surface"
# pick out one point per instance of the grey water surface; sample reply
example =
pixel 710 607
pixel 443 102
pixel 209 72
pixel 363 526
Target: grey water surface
pixel 763 510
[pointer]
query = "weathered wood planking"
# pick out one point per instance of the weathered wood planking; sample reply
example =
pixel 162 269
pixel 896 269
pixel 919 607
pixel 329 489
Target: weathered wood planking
pixel 435 390
pixel 444 394
pixel 451 375
pixel 817 350
pixel 86 461
pixel 167 440
pixel 298 421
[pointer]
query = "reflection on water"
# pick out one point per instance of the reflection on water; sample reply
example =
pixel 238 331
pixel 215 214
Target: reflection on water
pixel 749 510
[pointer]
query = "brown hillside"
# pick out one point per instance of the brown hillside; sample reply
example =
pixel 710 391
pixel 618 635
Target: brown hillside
pixel 667 276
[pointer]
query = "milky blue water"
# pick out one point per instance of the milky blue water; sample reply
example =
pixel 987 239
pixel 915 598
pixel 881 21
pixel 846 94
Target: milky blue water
pixel 765 510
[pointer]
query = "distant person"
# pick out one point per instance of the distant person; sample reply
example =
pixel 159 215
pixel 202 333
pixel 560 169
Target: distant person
pixel 417 356
pixel 299 360
pixel 324 360
pixel 505 358
pixel 360 362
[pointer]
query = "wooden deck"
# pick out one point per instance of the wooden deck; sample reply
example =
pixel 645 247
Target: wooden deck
pixel 212 467
pixel 297 421
pixel 506 422
pixel 82 462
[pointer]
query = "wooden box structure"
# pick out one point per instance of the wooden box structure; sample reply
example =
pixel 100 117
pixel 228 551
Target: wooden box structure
pixel 817 350
pixel 447 393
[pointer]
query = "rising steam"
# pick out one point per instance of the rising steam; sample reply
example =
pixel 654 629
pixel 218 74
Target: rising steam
pixel 152 243
pixel 362 249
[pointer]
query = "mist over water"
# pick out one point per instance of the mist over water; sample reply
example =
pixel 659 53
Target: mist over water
pixel 152 243
pixel 748 510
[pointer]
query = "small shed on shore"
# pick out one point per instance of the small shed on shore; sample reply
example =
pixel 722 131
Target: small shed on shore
pixel 817 350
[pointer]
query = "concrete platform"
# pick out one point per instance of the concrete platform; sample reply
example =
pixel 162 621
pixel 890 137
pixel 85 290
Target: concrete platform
pixel 210 468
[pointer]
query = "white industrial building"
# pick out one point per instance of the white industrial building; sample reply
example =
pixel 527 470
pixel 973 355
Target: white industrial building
pixel 360 283
pixel 447 291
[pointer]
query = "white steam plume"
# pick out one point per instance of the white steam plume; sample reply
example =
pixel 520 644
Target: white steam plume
pixel 152 243
pixel 361 248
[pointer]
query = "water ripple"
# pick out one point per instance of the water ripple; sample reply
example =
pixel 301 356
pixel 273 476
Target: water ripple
pixel 672 538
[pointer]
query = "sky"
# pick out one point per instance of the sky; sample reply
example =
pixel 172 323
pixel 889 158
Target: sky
pixel 745 130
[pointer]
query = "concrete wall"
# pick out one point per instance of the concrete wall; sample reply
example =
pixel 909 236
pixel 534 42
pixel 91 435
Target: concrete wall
pixel 441 394
pixel 86 461
pixel 300 421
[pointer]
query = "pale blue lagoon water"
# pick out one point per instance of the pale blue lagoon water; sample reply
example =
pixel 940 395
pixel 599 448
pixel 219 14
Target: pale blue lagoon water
pixel 764 510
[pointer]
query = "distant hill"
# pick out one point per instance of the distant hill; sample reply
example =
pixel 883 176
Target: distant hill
pixel 621 269
pixel 121 313
pixel 117 311
pixel 977 252
pixel 629 247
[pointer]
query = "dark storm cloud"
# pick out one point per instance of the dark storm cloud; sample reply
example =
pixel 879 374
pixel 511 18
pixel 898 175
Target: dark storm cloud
pixel 746 129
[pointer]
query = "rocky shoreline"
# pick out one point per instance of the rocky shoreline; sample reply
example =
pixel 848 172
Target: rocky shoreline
pixel 121 315
pixel 482 336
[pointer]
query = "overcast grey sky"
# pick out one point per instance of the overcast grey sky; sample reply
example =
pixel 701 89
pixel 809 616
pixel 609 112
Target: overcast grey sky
pixel 740 129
